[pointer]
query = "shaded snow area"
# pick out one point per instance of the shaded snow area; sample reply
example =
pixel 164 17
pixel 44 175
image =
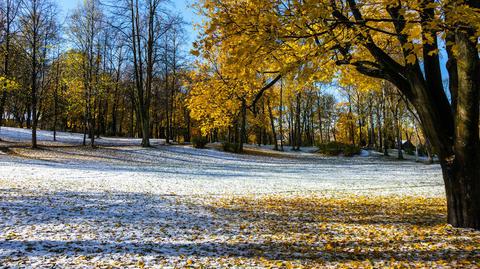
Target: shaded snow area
pixel 127 206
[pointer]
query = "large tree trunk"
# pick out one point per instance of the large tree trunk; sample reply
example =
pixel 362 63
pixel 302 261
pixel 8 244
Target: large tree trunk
pixel 462 188
pixel 462 170
pixel 456 141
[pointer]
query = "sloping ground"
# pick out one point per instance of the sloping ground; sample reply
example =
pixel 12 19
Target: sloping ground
pixel 45 138
pixel 183 170
pixel 167 206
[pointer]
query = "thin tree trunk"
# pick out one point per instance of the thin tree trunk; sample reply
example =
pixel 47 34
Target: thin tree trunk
pixel 398 132
pixel 281 115
pixel 2 104
pixel 5 63
pixel 34 88
pixel 379 129
pixel 385 138
pixel 55 102
pixel 350 119
pixel 298 131
pixel 167 92
pixel 272 123
pixel 371 133
pixel 243 130
pixel 319 112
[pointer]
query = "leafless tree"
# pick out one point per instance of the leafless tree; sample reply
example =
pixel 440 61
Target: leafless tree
pixel 38 27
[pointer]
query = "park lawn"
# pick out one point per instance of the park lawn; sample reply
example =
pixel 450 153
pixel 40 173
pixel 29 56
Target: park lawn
pixel 121 205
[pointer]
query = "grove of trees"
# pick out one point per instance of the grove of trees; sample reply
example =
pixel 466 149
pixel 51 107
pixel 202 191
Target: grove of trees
pixel 111 68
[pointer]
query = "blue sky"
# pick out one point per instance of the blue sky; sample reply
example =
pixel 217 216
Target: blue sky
pixel 180 6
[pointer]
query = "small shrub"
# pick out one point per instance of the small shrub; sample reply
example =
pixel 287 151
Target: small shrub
pixel 351 150
pixel 337 148
pixel 199 142
pixel 330 148
pixel 410 151
pixel 231 147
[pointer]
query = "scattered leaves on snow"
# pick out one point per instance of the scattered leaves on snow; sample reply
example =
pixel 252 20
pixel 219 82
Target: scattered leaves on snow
pixel 109 229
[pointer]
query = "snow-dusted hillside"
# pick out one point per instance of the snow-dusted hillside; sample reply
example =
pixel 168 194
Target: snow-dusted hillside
pixel 126 205
pixel 184 170
pixel 46 138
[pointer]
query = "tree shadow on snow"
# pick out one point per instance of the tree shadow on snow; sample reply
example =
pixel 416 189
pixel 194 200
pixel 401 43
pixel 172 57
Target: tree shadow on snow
pixel 277 251
pixel 167 225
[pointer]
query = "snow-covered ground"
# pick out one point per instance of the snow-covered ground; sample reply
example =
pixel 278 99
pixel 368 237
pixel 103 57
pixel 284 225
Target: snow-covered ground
pixel 126 205
pixel 46 138
pixel 183 170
